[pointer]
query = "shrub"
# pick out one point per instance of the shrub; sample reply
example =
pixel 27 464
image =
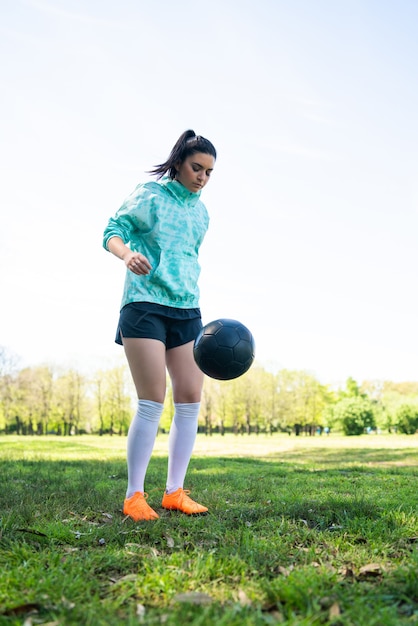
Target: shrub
pixel 406 419
pixel 355 415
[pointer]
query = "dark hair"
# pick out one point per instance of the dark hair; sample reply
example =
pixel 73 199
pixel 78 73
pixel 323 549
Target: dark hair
pixel 188 143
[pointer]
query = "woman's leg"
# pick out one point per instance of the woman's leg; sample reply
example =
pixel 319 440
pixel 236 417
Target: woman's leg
pixel 187 382
pixel 146 358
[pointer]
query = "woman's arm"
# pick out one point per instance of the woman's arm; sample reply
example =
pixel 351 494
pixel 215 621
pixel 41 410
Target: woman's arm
pixel 134 261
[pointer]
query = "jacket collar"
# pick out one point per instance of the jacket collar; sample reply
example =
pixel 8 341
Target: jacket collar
pixel 179 191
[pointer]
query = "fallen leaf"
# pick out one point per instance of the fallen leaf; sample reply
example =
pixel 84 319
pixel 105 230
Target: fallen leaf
pixel 140 612
pixel 346 572
pixel 70 549
pixel 193 597
pixel 325 602
pixel 67 603
pixel 371 569
pixel 276 615
pixel 243 599
pixel 334 611
pixel 126 578
pixel 170 542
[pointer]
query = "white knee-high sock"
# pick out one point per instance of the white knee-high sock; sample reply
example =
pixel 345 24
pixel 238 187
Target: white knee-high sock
pixel 141 438
pixel 181 442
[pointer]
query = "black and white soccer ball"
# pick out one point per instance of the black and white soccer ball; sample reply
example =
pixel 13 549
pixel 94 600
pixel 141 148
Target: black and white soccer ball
pixel 224 349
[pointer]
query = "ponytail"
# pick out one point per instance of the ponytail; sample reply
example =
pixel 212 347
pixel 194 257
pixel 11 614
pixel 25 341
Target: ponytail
pixel 187 144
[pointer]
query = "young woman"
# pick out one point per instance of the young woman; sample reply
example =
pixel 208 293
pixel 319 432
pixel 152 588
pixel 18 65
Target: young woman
pixel 164 223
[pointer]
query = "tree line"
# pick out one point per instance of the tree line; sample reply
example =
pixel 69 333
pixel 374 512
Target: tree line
pixel 46 400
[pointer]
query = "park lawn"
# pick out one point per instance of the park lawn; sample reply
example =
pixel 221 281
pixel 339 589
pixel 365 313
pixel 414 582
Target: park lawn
pixel 308 531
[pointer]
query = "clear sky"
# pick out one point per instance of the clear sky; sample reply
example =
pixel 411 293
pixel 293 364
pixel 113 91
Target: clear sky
pixel 312 106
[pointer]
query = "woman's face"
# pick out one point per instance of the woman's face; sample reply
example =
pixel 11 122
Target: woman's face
pixel 195 170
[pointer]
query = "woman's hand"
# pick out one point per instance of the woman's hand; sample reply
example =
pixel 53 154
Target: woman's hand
pixel 134 261
pixel 137 263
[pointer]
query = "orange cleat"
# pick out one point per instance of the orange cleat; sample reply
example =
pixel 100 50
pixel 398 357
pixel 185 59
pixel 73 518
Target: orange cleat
pixel 137 507
pixel 180 501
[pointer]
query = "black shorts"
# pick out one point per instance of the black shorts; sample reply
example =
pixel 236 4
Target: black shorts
pixel 174 327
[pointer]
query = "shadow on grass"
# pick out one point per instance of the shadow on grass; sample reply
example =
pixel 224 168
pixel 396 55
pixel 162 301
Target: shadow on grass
pixel 237 490
pixel 407 457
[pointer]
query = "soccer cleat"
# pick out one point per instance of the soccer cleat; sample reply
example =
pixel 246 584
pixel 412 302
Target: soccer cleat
pixel 180 501
pixel 137 507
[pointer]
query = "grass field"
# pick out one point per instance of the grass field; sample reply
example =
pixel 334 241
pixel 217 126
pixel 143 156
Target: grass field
pixel 307 531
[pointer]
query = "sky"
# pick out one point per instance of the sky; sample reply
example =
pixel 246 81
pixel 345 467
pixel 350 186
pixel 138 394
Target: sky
pixel 311 105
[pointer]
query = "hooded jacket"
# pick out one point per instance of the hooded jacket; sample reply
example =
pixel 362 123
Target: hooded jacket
pixel 165 222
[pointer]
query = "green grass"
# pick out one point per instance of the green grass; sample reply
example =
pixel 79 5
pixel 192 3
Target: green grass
pixel 307 531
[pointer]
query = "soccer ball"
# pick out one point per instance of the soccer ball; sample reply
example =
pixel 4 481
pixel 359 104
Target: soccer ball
pixel 224 349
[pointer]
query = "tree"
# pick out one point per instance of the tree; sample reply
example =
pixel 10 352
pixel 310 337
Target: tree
pixel 168 408
pixel 118 401
pixel 270 402
pixel 221 406
pixel 43 381
pixel 25 402
pixel 393 396
pixel 407 419
pixel 8 368
pixel 207 405
pixel 70 400
pixel 352 390
pixel 301 401
pixel 355 415
pixel 99 386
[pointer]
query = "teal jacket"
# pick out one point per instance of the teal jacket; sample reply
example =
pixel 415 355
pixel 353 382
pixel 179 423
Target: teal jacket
pixel 167 223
